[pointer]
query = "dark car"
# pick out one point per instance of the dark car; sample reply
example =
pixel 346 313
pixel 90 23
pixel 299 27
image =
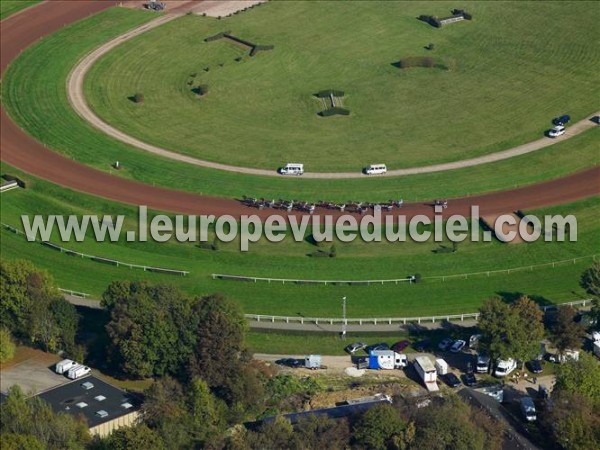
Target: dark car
pixel 562 120
pixel 401 345
pixel 379 346
pixel 289 362
pixel 422 346
pixel 469 379
pixel 535 366
pixel 446 344
pixel 451 380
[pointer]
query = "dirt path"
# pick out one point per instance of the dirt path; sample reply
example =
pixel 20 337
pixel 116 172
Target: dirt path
pixel 79 104
pixel 27 154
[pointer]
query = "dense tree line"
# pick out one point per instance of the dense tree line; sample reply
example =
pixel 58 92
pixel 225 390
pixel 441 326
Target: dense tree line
pixel 33 309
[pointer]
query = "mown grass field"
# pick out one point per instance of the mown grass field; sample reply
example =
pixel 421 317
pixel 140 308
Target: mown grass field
pixel 510 74
pixel 289 260
pixel 34 95
pixel 9 7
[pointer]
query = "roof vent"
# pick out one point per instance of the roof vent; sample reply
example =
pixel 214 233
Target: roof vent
pixel 102 413
pixel 87 385
pixel 81 404
pixel 100 398
pixel 127 405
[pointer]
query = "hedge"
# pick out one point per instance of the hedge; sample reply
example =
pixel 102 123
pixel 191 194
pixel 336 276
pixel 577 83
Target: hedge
pixel 335 111
pixel 328 92
pixel 217 36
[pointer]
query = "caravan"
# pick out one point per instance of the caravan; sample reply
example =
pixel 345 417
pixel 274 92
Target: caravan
pixel 78 372
pixel 387 360
pixel 64 366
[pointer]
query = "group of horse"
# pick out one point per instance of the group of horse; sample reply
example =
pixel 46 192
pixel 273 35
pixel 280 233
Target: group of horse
pixel 295 205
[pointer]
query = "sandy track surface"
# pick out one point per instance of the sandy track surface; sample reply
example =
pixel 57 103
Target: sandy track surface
pixel 77 100
pixel 25 153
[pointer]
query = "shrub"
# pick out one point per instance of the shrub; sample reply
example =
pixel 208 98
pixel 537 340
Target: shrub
pixel 7 345
pixel 258 48
pixel 319 254
pixel 216 244
pixel 332 252
pixel 467 16
pixel 201 90
pixel 326 93
pixel 138 98
pixel 434 21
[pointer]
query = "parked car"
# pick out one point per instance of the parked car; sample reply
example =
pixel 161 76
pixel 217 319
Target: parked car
pixel 528 409
pixel 289 362
pixel 458 346
pixel 562 120
pixel 401 345
pixel 445 344
pixel 483 363
pixel 535 366
pixel 379 346
pixel 595 336
pixel 504 367
pixel 556 131
pixel 474 340
pixel 355 347
pixel 469 379
pixel 451 380
pixel 543 392
pixel 422 346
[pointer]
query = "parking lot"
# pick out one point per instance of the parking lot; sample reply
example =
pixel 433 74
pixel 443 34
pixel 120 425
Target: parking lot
pixel 33 372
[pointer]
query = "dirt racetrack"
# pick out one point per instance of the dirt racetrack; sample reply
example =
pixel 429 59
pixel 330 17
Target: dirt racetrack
pixel 23 152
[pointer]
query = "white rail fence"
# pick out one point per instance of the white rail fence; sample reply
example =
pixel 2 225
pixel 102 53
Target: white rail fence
pixel 99 259
pixel 393 320
pixel 464 276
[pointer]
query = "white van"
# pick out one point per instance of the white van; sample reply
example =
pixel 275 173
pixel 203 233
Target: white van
pixel 375 169
pixel 78 372
pixel 292 169
pixel 65 365
pixel 528 409
pixel 504 367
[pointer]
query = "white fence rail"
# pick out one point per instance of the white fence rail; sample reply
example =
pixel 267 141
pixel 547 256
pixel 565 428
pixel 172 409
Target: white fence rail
pixel 464 276
pixel 99 259
pixel 392 320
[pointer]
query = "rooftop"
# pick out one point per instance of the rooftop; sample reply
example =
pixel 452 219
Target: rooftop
pixel 92 398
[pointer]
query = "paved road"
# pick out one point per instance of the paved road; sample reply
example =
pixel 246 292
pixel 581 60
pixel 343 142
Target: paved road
pixel 77 99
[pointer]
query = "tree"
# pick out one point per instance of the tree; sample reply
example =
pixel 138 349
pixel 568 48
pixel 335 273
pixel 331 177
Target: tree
pixel 379 427
pixel 276 434
pixel 581 377
pixel 448 424
pixel 590 280
pixel 529 331
pixel 33 421
pixel 134 438
pixel 7 345
pixel 511 331
pixel 205 413
pixel 321 432
pixel 219 326
pixel 566 333
pixel 572 421
pixel 146 336
pixel 594 313
pixel 21 286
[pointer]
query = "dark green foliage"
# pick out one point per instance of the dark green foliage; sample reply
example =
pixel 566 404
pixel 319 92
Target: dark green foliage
pixel 566 334
pixel 133 438
pixel 379 428
pixel 217 36
pixel 336 110
pixel 590 280
pixel 200 90
pixel 30 423
pixel 138 98
pixel 258 48
pixel 333 251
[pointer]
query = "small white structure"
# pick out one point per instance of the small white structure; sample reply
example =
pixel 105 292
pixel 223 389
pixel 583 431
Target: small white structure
pixel 64 366
pixel 78 372
pixel 292 169
pixel 597 349
pixel 312 362
pixel 427 372
pixel 441 366
pixel 595 336
pixel 376 169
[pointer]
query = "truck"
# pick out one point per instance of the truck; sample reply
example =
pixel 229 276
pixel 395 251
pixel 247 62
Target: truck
pixel 387 360
pixel 426 370
pixel 597 349
pixel 441 366
pixel 64 366
pixel 78 372
pixel 528 409
pixel 312 362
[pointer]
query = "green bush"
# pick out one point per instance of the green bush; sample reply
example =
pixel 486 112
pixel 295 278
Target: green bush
pixel 138 98
pixel 7 346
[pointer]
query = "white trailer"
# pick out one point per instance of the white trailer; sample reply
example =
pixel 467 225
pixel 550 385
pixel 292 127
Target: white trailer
pixel 64 366
pixel 427 372
pixel 78 372
pixel 597 349
pixel 312 361
pixel 387 359
pixel 441 366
